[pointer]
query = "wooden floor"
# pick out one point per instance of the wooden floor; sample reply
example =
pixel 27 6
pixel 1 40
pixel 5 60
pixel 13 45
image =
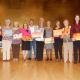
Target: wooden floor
pixel 39 70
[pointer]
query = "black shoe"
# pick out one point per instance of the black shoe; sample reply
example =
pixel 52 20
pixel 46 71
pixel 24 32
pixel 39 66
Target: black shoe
pixel 61 60
pixel 47 59
pixel 50 59
pixel 75 62
pixel 29 58
pixel 35 59
pixel 56 60
pixel 4 60
pixel 24 60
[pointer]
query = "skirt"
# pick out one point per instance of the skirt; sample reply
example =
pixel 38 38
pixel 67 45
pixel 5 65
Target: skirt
pixel 25 45
pixel 48 46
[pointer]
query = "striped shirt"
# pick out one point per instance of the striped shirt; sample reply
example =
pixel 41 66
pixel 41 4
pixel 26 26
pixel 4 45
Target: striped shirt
pixel 7 34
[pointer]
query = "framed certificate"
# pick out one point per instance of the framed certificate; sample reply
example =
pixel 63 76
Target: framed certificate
pixel 76 36
pixel 48 40
pixel 27 38
pixel 57 33
pixel 37 34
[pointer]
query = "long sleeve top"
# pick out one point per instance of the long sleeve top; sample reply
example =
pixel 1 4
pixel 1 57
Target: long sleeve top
pixel 40 38
pixel 16 41
pixel 75 29
pixel 7 34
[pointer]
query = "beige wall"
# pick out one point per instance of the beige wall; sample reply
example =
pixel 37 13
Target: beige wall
pixel 50 9
pixel 21 14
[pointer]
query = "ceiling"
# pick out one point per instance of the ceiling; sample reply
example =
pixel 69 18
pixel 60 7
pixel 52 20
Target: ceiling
pixel 22 3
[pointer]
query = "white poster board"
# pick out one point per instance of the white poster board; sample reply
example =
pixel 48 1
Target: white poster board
pixel 37 34
pixel 17 36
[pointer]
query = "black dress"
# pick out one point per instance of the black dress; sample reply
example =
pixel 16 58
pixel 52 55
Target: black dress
pixel 26 44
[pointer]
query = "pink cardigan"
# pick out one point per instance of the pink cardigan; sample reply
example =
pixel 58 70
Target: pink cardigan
pixel 25 32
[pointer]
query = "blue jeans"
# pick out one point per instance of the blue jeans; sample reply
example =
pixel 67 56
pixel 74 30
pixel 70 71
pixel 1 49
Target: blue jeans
pixel 32 46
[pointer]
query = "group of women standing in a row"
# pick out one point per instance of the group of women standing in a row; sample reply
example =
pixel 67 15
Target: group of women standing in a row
pixel 14 36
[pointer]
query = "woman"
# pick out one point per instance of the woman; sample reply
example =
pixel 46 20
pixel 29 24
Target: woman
pixel 40 40
pixel 75 30
pixel 58 42
pixel 48 34
pixel 16 42
pixel 26 38
pixel 67 42
pixel 6 39
pixel 33 42
pixel 0 37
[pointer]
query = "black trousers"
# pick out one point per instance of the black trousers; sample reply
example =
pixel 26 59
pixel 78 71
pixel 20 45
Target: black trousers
pixel 58 48
pixel 76 48
pixel 16 50
pixel 39 50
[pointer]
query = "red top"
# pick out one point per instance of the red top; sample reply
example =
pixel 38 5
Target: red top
pixel 75 29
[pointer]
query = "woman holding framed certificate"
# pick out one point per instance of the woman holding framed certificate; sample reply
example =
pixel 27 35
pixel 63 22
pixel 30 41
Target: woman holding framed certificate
pixel 40 40
pixel 67 42
pixel 58 41
pixel 75 34
pixel 33 42
pixel 48 35
pixel 26 40
pixel 0 37
pixel 16 41
pixel 6 39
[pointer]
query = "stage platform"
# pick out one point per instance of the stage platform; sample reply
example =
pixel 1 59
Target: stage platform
pixel 39 70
